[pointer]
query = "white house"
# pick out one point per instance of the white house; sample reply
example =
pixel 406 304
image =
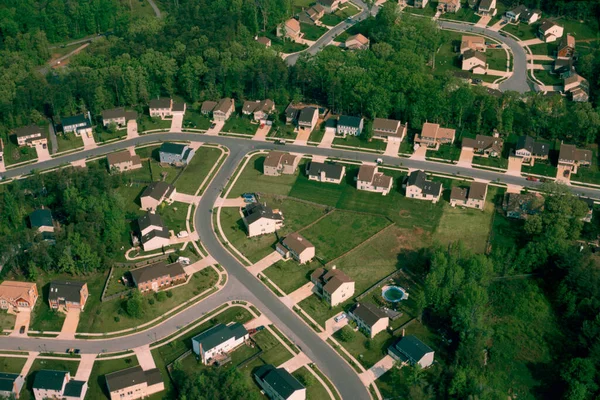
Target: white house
pixel 334 286
pixel 389 130
pixel 325 172
pixel 474 61
pixel 348 125
pixel 550 31
pixel 473 197
pixel 371 180
pixel 418 187
pixel 261 219
pixel 297 247
pixel 219 341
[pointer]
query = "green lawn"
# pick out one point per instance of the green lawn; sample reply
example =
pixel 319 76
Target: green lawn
pixel 485 78
pixel 194 119
pixel 68 141
pixel 331 19
pixel 160 172
pixel 252 180
pixel 497 162
pixel 314 388
pixel 284 45
pixel 7 321
pixel 147 123
pixel 548 79
pixel 12 365
pixel 496 59
pixel 447 56
pixel 43 318
pixel 284 132
pixel 319 310
pixel 463 14
pixel 522 30
pixel 197 170
pixel 312 32
pixel 14 154
pixel 97 382
pixel 316 135
pixel 102 134
pixel 448 152
pixel 299 5
pixel 506 232
pixel 273 351
pixel 148 152
pixel 547 49
pixel 359 141
pixel 240 124
pixel 580 29
pixel 289 275
pixel 540 168
pixel 141 8
pixel 429 10
pixel 366 351
pixel 174 215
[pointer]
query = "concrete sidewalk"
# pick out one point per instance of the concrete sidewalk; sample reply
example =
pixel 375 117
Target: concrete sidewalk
pixel 295 363
pixel 176 123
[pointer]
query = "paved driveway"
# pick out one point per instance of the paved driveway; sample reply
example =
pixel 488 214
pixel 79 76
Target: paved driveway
pixel 176 123
pixel 466 157
pixel 261 133
pixel 530 42
pixel 70 325
pixel 419 153
pixel 88 141
pixel 514 166
pixel 132 129
pixel 2 166
pixel 327 139
pixel 302 137
pixel 85 367
pixel 265 263
pixel 381 367
pixel 393 147
pixel 144 357
pixel 215 131
pixel 23 318
pixel 42 153
pixel 302 293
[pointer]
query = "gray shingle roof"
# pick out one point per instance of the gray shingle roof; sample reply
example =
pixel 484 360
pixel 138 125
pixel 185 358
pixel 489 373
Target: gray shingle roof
pixel 306 115
pixel 49 380
pixel 150 219
pixel 154 271
pixel 255 211
pixel 218 334
pixel 158 190
pixel 279 379
pixel 68 290
pixel 368 313
pixel 332 171
pixel 131 376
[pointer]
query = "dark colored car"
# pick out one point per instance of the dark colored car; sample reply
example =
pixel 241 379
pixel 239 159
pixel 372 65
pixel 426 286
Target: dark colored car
pixel 22 330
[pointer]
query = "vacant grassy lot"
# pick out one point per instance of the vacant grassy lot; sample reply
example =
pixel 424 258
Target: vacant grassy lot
pixel 7 321
pixel 239 124
pixel 146 123
pixel 548 79
pixel 506 232
pixel 43 318
pixel 97 381
pixel 252 180
pixel 496 59
pixel 12 365
pixel 195 119
pixel 289 275
pixel 197 170
pixel 447 56
pixel 102 134
pixel 464 14
pixel 319 310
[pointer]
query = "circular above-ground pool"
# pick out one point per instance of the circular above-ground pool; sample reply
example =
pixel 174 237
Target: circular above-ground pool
pixel 394 294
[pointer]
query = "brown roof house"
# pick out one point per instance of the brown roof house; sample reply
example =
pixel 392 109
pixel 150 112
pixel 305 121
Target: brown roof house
pixel 578 87
pixel 475 43
pixel 325 172
pixel 265 41
pixel 371 180
pixel 134 383
pixel 486 146
pixel 155 194
pixel 473 197
pixel 474 61
pixel 16 296
pixel 432 135
pixel 297 247
pixel 207 107
pixel 566 47
pixel 357 42
pixel 530 150
pixel 389 130
pixel 30 136
pixel 153 232
pixel 550 31
pixel 312 14
pixel 487 8
pixel 369 318
pixel 278 163
pixel 572 158
pixel 68 295
pixel 165 108
pixel 418 187
pixel 122 161
pixel 157 276
pixel 448 6
pixel 330 5
pixel 290 29
pixel 261 219
pixel 259 109
pixel 334 286
pixel 517 205
pixel 223 110
pixel 118 116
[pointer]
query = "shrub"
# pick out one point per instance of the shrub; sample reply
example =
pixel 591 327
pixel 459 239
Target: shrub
pixel 117 318
pixel 151 301
pixel 169 294
pixel 161 296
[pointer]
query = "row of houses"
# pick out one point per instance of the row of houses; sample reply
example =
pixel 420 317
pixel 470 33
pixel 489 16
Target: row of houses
pixel 17 296
pixel 176 154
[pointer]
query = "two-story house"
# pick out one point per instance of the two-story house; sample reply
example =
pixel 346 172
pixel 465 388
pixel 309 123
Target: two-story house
pixel 566 47
pixel 483 145
pixel 410 350
pixel 118 116
pixel 325 172
pixel 307 118
pixel 49 384
pixel 155 193
pixel 330 6
pixel 153 232
pixel 421 3
pixel 277 163
pixel 80 124
pixel 175 153
pixel 122 161
pixel 260 110
pixel 371 180
pixel 474 61
pixel 260 219
pixel 279 384
pixel 369 318
pixel 158 276
pixel 572 158
pixel 16 296
pixel 530 150
pixel 30 136
pixel 134 383
pixel 218 341
pixel 472 197
pixel 165 108
pixel 550 31
pixel 432 135
pixel 290 29
pixel 223 110
pixel 297 247
pixel 418 187
pixel 389 130
pixel 475 43
pixel 357 42
pixel 11 385
pixel 448 6
pixel 68 295
pixel 578 87
pixel 487 8
pixel 334 286
pixel 348 125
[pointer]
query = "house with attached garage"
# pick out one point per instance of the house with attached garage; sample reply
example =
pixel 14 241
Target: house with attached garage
pixel 122 161
pixel 520 206
pixel 530 16
pixel 207 107
pixel 550 31
pixel 312 14
pixel 261 219
pixel 530 150
pixel 325 172
pixel 153 232
pixel 49 384
pixel 330 6
pixel 157 276
pixel 487 8
pixel 16 296
pixel 155 193
pixel 10 385
pixel 118 116
pixel 578 87
pixel 30 136
pixel 348 125
pixel 472 197
pixel 67 295
pixel 369 318
pixel 218 341
pixel 260 110
pixel 290 29
pixel 278 163
pixel 475 43
pixel 389 130
pixel 165 108
pixel 418 187
pixel 514 14
pixel 279 384
pixel 432 135
pixel 572 158
pixel 370 179
pixel 474 61
pixel 334 286
pixel 134 383
pixel 307 118
pixel 80 124
pixel 485 146
pixel 357 42
pixel 295 246
pixel 175 153
pixel 223 110
pixel 410 350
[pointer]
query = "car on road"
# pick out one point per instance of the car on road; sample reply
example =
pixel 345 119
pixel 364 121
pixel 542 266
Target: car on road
pixel 77 351
pixel 22 330
pixel 70 351
pixel 340 317
pixel 532 179
pixel 379 161
pixel 280 141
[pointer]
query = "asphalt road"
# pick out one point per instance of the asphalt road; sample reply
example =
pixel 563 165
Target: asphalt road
pixel 518 81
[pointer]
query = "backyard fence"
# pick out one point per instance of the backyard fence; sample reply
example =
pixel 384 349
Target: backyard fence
pixel 376 285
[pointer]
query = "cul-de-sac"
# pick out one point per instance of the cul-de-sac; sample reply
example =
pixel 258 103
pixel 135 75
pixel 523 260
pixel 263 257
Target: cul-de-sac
pixel 299 199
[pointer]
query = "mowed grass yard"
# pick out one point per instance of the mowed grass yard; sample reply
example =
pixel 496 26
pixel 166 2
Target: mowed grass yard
pixel 12 365
pixel 97 388
pixel 252 180
pixel 197 170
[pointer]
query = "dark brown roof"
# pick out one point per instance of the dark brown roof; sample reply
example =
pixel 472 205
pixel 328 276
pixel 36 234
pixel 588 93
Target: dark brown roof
pixel 458 193
pixel 158 190
pixel 472 53
pixel 178 106
pixel 208 106
pixel 330 280
pixel 122 156
pixel 263 40
pixel 368 313
pixel 273 159
pixel 28 130
pixel 132 376
pixel 165 102
pixel 570 152
pixel 113 113
pixel 296 243
pixel 366 173
pixel 547 24
pixel 477 191
pixel 154 271
pixel 223 105
pixel 386 127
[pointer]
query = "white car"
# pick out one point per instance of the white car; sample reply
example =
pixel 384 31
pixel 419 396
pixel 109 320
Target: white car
pixel 340 317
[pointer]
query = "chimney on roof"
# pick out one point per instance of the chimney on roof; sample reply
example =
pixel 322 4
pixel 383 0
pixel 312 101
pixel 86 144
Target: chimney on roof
pixel 403 331
pixel 333 267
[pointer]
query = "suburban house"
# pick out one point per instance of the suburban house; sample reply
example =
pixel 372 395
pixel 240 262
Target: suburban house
pixel 277 163
pixel 50 384
pixel 10 385
pixel 265 41
pixel 418 187
pixel 67 295
pixel 445 6
pixel 389 129
pixel 207 107
pixel 165 108
pixel 325 172
pixel 261 219
pixel 1 150
pixel 16 296
pixel 118 116
pixel 410 350
pixel 41 220
pixel 218 341
pixel 278 384
pixel 572 158
pixel 550 31
pixel 308 117
pixel 421 3
pixel 153 232
pixel 474 61
pixel 291 114
pixel 475 43
pixel 155 193
pixel 175 153
pixel 432 135
pixel 369 318
pixel 564 67
pixel 486 146
pixel 223 110
pixel 330 5
pixel 566 47
pixel 515 14
pixel 473 197
pixel 348 125
pixel 134 383
pixel 30 136
pixel 122 161
pixel 487 8
pixel 371 180
pixel 530 16
pixel 312 14
pixel 260 110
pixel 290 29
pixel 517 205
pixel 78 124
pixel 157 276
pixel 578 87
pixel 530 150
pixel 297 247
pixel 357 42
pixel 334 286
